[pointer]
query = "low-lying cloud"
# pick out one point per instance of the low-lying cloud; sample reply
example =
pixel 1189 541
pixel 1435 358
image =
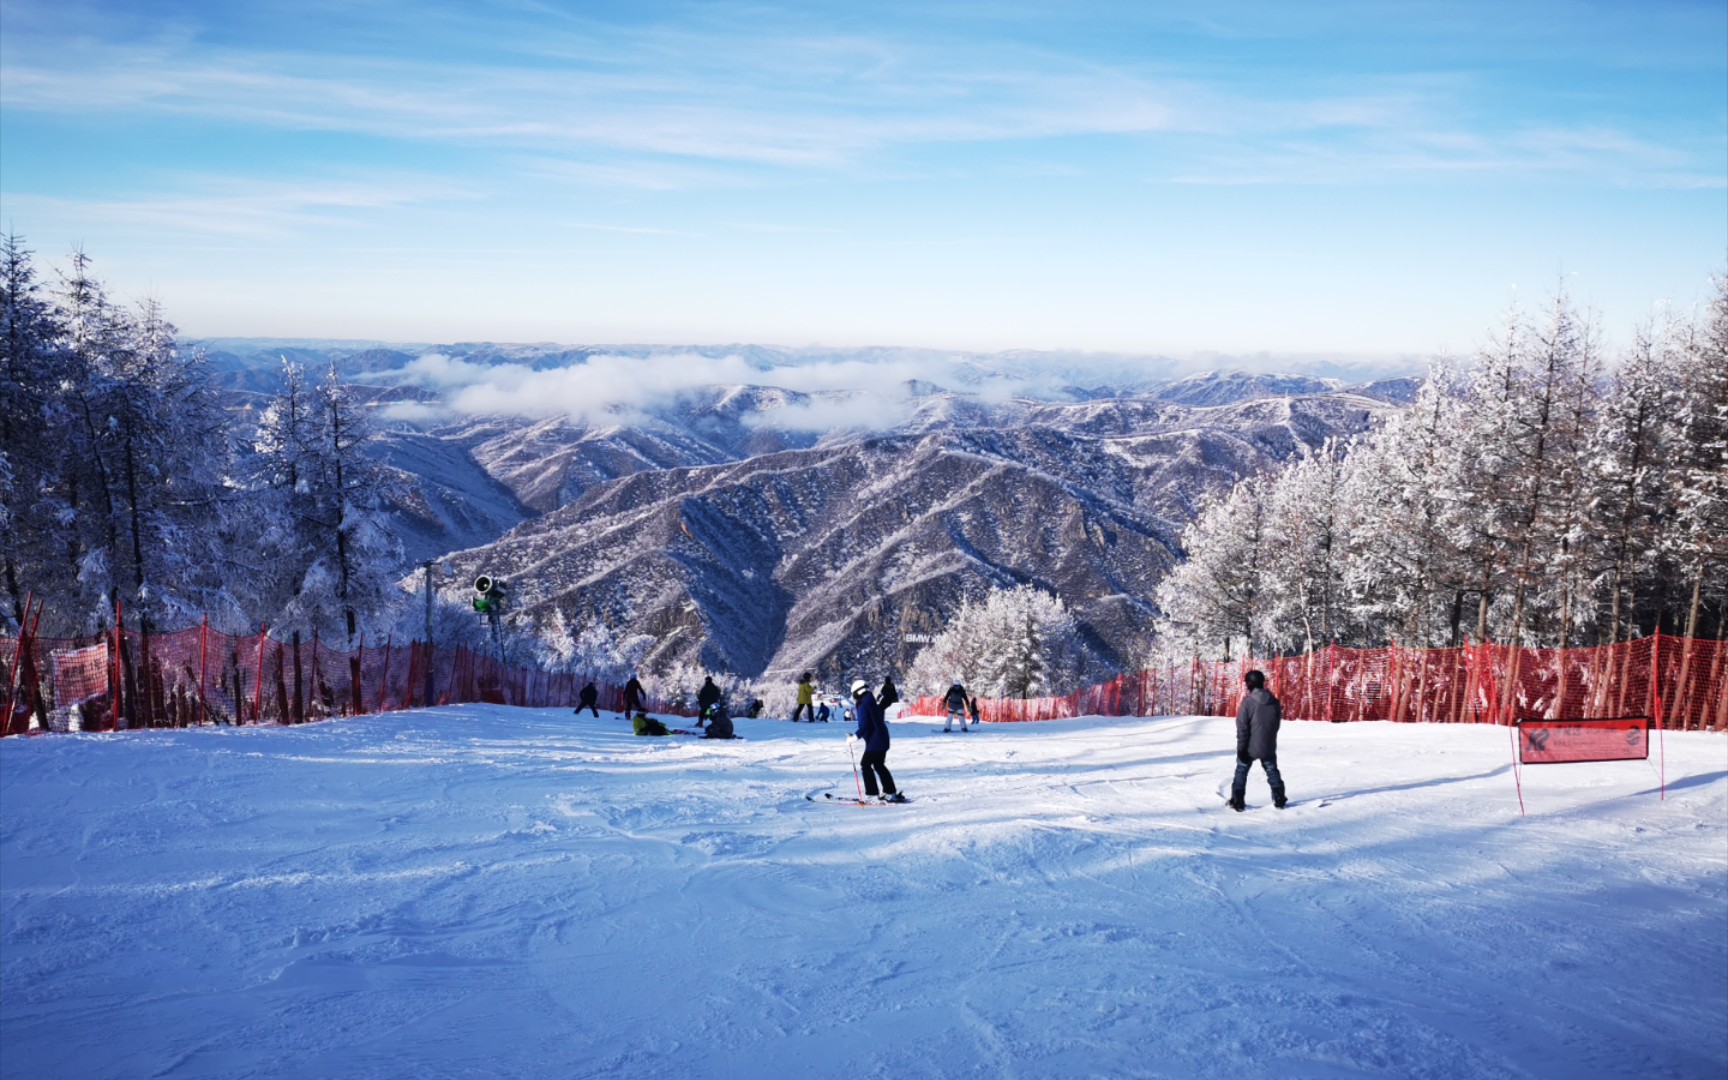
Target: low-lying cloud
pixel 869 389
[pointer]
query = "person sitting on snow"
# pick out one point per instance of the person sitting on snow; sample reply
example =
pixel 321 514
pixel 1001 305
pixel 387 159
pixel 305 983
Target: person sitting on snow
pixel 822 713
pixel 719 722
pixel 647 725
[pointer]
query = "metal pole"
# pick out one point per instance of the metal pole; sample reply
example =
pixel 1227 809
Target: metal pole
pixel 428 692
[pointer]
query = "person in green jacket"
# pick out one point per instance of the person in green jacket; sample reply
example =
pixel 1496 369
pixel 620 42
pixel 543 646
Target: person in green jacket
pixel 647 725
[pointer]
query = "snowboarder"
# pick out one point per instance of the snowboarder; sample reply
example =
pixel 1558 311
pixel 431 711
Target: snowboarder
pixel 590 695
pixel 633 702
pixel 888 696
pixel 873 730
pixel 1257 739
pixel 705 697
pixel 719 723
pixel 806 698
pixel 647 725
pixel 955 703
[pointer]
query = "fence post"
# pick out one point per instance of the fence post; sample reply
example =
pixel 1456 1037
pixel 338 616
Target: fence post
pixel 258 677
pixel 1656 677
pixel 17 658
pixel 203 670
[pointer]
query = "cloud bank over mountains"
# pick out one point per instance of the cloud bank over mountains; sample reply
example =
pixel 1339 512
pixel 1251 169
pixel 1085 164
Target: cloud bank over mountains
pixel 822 389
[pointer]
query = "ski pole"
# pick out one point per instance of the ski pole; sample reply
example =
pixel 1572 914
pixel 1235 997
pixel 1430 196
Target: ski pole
pixel 854 757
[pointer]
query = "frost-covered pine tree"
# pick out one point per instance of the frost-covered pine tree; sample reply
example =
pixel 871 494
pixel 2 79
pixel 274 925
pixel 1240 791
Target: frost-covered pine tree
pixel 1700 539
pixel 1211 603
pixel 1633 453
pixel 35 540
pixel 332 558
pixel 1308 556
pixel 1404 579
pixel 126 505
pixel 1020 642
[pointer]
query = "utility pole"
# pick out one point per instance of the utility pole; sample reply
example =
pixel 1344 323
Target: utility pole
pixel 429 653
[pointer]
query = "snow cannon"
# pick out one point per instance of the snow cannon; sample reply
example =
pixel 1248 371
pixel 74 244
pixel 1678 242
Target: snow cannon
pixel 491 594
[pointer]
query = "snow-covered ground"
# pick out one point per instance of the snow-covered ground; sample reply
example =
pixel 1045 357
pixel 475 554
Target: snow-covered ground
pixel 483 891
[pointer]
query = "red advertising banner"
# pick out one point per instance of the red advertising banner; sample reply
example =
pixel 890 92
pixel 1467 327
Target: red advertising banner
pixel 80 674
pixel 1552 742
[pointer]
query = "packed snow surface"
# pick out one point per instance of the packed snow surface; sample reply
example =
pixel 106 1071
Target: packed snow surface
pixel 484 891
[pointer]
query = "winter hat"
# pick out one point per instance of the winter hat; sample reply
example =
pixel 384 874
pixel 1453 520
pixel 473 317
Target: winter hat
pixel 859 686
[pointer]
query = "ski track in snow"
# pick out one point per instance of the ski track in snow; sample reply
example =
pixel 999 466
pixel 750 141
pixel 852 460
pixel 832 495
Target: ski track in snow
pixel 482 891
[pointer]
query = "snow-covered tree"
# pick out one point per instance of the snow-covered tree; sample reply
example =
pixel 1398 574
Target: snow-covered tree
pixel 1700 540
pixel 1019 642
pixel 1211 603
pixel 1306 555
pixel 330 558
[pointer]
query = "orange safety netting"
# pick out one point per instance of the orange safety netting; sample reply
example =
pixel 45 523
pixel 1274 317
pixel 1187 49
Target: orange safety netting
pixel 1678 682
pixel 127 679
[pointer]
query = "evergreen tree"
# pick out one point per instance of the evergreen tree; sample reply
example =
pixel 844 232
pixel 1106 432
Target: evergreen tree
pixel 1700 540
pixel 332 557
pixel 1211 602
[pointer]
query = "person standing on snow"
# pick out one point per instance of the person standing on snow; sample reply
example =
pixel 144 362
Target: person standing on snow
pixel 706 697
pixel 955 703
pixel 632 696
pixel 590 695
pixel 1257 740
pixel 806 698
pixel 888 696
pixel 873 731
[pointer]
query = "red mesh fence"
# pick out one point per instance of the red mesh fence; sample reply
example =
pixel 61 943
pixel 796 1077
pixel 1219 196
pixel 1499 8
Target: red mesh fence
pixel 127 679
pixel 1678 682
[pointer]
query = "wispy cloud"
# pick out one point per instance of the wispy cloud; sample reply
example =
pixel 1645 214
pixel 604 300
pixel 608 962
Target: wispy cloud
pixel 228 207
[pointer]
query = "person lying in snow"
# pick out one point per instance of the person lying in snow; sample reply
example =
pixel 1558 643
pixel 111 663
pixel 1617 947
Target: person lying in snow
pixel 647 725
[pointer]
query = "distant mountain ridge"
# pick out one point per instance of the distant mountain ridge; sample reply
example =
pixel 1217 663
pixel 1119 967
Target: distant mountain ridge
pixel 743 535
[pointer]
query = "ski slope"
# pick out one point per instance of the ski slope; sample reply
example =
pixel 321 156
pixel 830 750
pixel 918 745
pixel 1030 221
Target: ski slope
pixel 483 891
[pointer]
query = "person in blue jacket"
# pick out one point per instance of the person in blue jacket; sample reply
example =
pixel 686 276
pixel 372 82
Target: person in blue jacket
pixel 873 731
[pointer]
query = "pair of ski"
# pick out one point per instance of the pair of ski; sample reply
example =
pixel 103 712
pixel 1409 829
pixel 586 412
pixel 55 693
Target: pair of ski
pixel 848 800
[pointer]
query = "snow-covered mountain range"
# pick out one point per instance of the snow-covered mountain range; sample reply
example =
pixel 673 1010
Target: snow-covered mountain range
pixel 765 530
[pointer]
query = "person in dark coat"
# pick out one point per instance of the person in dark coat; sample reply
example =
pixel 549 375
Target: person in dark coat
pixel 873 730
pixel 719 723
pixel 633 696
pixel 705 697
pixel 590 695
pixel 955 702
pixel 1257 740
pixel 888 696
pixel 972 707
pixel 822 713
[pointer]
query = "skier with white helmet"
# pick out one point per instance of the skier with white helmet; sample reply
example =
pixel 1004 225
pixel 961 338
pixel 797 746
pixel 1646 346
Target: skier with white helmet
pixel 873 730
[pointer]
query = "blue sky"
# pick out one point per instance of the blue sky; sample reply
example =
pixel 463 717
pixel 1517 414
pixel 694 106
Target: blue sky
pixel 1357 178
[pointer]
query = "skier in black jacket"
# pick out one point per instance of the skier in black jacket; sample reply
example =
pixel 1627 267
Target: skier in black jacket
pixel 705 697
pixel 873 730
pixel 633 698
pixel 1257 740
pixel 589 696
pixel 888 696
pixel 955 703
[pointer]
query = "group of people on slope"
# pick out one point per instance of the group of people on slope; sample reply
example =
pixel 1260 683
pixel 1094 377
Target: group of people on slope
pixel 1257 722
